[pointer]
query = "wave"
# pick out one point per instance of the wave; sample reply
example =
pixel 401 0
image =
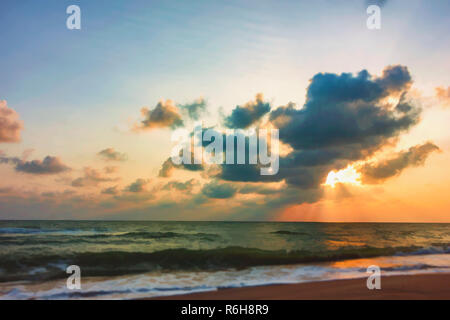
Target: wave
pixel 162 235
pixel 414 267
pixel 18 237
pixel 121 262
pixel 430 250
pixel 23 230
pixel 37 230
pixel 287 232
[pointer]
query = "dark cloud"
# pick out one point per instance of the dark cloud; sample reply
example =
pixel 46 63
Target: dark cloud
pixel 395 79
pixel 258 189
pixel 194 109
pixel 165 114
pixel 242 172
pixel 10 125
pixel 186 186
pixel 50 165
pixel 166 169
pixel 110 154
pixel 218 190
pixel 382 170
pixel 9 160
pixel 345 118
pixel 111 190
pixel 91 178
pixel 269 208
pixel 58 195
pixel 168 166
pixel 346 109
pixel 244 116
pixel 137 186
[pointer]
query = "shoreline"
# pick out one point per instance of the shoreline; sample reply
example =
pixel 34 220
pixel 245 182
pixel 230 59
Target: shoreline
pixel 401 287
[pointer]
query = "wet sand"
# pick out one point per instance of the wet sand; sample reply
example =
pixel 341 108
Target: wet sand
pixel 410 287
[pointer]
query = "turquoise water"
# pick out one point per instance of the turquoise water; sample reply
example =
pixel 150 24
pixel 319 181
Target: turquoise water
pixel 35 253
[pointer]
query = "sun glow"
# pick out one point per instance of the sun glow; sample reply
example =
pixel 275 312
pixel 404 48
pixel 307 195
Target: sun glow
pixel 347 175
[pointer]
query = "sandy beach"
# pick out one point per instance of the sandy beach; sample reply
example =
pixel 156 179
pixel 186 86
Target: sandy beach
pixel 410 287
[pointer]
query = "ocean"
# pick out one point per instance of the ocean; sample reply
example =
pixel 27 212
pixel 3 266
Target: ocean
pixel 136 259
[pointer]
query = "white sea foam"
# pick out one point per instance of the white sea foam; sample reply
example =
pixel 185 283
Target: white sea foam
pixel 164 284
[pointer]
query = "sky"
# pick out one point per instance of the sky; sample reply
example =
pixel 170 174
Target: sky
pixel 86 116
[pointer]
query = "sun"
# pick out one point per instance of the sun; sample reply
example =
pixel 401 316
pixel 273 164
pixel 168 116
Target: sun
pixel 348 175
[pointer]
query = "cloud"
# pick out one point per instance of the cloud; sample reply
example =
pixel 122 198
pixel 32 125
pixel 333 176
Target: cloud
pixel 194 109
pixel 346 118
pixel 50 165
pixel 8 160
pixel 137 186
pixel 111 190
pixel 186 186
pixel 395 79
pixel 58 195
pixel 164 115
pixel 10 125
pixel 327 88
pixel 258 189
pixel 443 95
pixel 382 170
pixel 110 169
pixel 244 116
pixel 218 190
pixel 168 166
pixel 166 169
pixel 110 154
pixel 91 178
